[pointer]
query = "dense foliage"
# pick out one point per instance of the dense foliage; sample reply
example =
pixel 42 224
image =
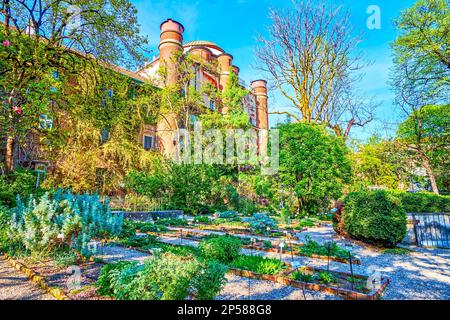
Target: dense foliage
pixel 423 202
pixel 314 164
pixel 62 220
pixel 377 217
pixel 223 249
pixel 261 223
pixel 259 264
pixel 163 277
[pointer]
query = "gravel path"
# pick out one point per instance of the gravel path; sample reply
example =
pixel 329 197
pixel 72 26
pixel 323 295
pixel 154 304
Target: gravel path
pixel 112 253
pixel 14 285
pixel 421 275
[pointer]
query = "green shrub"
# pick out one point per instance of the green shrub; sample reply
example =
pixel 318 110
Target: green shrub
pixel 303 276
pixel 376 217
pixel 104 285
pixel 65 259
pixel 9 242
pixel 423 202
pixel 312 247
pixel 260 222
pixel 201 219
pixel 20 182
pixel 326 278
pixel 223 249
pixel 267 244
pixel 259 264
pixel 285 216
pixel 210 280
pixel 162 277
pixel 63 220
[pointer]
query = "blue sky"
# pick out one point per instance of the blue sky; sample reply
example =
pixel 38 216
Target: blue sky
pixel 234 25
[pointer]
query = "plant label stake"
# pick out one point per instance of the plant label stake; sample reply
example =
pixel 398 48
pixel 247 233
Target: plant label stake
pixel 282 244
pixel 329 245
pixel 252 240
pixel 351 263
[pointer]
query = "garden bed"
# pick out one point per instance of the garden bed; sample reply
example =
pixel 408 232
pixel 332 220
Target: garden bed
pixel 339 288
pixel 287 250
pixel 276 234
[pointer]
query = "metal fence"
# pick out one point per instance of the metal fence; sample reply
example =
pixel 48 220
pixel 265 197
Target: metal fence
pixel 432 229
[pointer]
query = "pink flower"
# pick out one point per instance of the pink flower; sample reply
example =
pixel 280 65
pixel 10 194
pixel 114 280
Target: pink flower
pixel 17 110
pixel 6 43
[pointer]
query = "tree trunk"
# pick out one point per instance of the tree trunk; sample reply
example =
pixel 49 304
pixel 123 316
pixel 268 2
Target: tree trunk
pixel 9 154
pixel 426 164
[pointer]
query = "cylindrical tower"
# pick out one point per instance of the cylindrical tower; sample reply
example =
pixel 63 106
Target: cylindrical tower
pixel 170 48
pixel 225 62
pixel 259 89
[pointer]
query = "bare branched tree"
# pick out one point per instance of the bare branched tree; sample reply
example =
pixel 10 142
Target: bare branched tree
pixel 310 56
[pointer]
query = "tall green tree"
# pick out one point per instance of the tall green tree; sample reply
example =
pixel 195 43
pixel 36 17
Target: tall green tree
pixel 314 165
pixel 422 53
pixel 426 133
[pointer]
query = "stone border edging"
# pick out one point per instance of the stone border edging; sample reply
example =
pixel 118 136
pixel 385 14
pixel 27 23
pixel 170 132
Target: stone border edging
pixel 39 280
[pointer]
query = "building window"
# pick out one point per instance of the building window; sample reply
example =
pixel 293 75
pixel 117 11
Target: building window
pixel 45 122
pixel 148 142
pixel 211 104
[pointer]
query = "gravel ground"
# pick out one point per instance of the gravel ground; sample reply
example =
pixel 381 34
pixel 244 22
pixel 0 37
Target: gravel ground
pixel 14 285
pixel 424 274
pixel 113 253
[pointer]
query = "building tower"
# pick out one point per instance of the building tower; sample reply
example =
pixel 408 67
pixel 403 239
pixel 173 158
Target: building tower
pixel 225 63
pixel 259 89
pixel 170 48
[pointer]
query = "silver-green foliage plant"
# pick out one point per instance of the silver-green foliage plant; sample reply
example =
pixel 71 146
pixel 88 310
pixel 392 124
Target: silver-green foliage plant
pixel 63 220
pixel 260 222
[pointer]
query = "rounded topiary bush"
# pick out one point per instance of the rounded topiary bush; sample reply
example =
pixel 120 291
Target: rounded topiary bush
pixel 375 217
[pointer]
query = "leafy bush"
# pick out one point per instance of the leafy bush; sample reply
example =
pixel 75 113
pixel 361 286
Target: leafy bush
pixel 326 278
pixel 285 216
pixel 267 244
pixel 311 247
pixel 8 242
pixel 223 249
pixel 301 275
pixel 260 222
pixel 258 264
pixel 141 242
pixel 201 219
pixel 66 220
pixel 65 259
pixel 210 280
pixel 423 202
pixel 376 217
pixel 162 277
pixel 20 182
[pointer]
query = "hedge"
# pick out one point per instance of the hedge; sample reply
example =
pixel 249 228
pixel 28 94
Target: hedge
pixel 423 202
pixel 376 217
